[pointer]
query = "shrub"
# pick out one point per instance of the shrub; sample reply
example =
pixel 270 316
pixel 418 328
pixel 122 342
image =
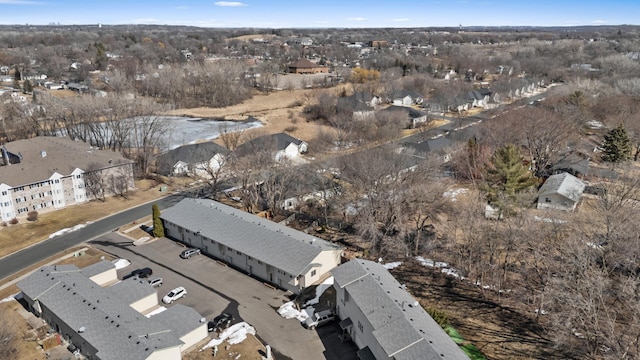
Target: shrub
pixel 32 215
pixel 290 129
pixel 13 221
pixel 439 316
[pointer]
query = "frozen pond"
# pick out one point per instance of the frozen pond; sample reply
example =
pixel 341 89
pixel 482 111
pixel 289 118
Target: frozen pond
pixel 187 130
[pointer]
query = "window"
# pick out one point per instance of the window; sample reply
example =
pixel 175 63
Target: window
pixel 18 200
pixel 360 326
pixel 7 203
pixel 313 272
pixel 238 252
pixel 259 262
pixel 547 200
pixel 4 193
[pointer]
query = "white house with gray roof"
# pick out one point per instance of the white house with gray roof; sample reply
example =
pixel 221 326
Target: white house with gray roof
pixel 287 258
pixel 104 318
pixel 384 320
pixel 560 192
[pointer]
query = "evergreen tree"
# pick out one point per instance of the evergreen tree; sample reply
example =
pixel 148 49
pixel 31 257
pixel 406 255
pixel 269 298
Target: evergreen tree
pixel 158 228
pixel 617 145
pixel 506 176
pixel 27 87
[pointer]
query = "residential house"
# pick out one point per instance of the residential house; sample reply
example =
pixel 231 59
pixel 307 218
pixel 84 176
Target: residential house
pixel 478 98
pixel 383 319
pixel 304 41
pixel 304 66
pixel 283 146
pixel 361 104
pixel 201 160
pixel 412 118
pixel 49 173
pixel 560 192
pixel 317 187
pixel 287 258
pixel 406 98
pixel 441 146
pixel 573 164
pixel 379 44
pixel 104 318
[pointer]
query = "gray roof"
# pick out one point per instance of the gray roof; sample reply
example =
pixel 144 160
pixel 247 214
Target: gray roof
pixel 62 156
pixel 280 246
pixel 190 154
pixel 111 326
pixel 272 142
pixel 403 328
pixel 563 184
pixel 132 289
pixel 180 318
pixel 97 268
pixel 411 112
pixel 430 145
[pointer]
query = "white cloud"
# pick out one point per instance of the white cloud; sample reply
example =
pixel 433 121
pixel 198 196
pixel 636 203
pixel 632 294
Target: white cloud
pixel 230 3
pixel 182 7
pixel 356 19
pixel 20 2
pixel 400 20
pixel 599 22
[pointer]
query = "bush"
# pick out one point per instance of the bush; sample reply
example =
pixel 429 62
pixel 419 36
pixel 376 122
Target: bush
pixel 32 216
pixel 290 129
pixel 13 221
pixel 439 316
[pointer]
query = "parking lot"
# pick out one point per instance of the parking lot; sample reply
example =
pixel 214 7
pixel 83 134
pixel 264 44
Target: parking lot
pixel 213 288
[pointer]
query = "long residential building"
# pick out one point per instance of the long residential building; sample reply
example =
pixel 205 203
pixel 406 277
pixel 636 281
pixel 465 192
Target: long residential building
pixel 49 173
pixel 284 257
pixel 104 318
pixel 384 320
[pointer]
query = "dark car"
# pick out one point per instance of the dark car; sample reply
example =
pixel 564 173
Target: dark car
pixel 140 273
pixel 221 321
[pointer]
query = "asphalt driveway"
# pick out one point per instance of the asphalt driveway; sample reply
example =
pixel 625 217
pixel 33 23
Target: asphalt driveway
pixel 213 288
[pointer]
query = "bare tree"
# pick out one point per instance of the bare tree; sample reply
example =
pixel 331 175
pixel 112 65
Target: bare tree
pixel 94 181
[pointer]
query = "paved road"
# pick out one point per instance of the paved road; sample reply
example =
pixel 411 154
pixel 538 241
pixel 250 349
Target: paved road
pixel 43 250
pixel 213 288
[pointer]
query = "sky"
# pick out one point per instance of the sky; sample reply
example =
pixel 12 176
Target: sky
pixel 322 13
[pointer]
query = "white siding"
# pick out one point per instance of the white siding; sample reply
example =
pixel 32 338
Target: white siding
pixel 146 303
pixel 194 337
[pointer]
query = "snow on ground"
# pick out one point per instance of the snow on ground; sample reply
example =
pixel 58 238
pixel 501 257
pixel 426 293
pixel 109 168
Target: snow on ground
pixel 446 269
pixel 392 265
pixel 121 263
pixel 288 311
pixel 67 230
pixel 234 334
pixel 11 298
pixel 453 193
pixel 320 289
pixel 156 311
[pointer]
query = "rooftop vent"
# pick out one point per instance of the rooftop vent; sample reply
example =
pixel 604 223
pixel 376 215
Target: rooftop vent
pixel 81 330
pixel 43 153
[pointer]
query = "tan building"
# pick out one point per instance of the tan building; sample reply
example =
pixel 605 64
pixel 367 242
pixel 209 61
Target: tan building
pixel 49 173
pixel 104 318
pixel 304 66
pixel 284 257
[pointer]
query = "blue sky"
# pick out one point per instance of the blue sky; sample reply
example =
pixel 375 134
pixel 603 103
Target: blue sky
pixel 323 13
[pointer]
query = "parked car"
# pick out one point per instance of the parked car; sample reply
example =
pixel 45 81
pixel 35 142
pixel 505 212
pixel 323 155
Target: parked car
pixel 146 228
pixel 174 295
pixel 319 319
pixel 221 321
pixel 189 253
pixel 157 282
pixel 140 273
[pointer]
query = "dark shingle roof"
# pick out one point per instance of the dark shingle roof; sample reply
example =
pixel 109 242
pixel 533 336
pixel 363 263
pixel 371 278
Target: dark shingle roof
pixel 402 327
pixel 190 154
pixel 271 142
pixel 411 112
pixel 62 155
pixel 280 246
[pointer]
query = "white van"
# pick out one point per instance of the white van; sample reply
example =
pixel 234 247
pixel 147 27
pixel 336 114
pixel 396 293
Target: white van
pixel 319 319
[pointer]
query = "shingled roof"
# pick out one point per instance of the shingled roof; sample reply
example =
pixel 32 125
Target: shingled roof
pixel 274 244
pixel 304 64
pixel 43 156
pixel 269 143
pixel 402 328
pixel 190 154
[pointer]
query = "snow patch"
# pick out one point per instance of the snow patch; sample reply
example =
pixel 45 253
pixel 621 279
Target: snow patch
pixel 234 334
pixel 288 311
pixel 453 193
pixel 392 265
pixel 156 311
pixel 121 263
pixel 68 230
pixel 11 298
pixel 320 289
pixel 549 220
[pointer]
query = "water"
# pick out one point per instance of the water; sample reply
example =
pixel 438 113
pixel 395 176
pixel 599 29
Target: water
pixel 186 130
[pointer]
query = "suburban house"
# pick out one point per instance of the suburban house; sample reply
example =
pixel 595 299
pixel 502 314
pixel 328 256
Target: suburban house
pixel 201 159
pixel 283 146
pixel 383 319
pixel 560 192
pixel 361 104
pixel 440 146
pixel 574 164
pixel 317 187
pixel 304 66
pixel 414 118
pixel 49 173
pixel 406 98
pixel 105 318
pixel 284 257
pixel 477 99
